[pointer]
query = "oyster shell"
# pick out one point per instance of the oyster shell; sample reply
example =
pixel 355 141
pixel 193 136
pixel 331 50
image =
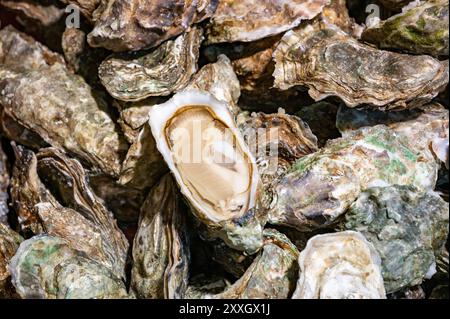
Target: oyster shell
pixel 407 227
pixel 9 243
pixel 422 29
pixel 131 25
pixel 4 184
pixel 337 13
pixel 250 20
pixel 331 63
pixel 160 248
pixel 73 45
pixel 162 71
pixel 196 135
pixel 41 95
pixel 47 267
pixel 87 7
pixel 341 265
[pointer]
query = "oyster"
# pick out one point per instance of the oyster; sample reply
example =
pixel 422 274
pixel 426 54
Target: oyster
pixel 407 227
pixel 131 25
pixel 422 29
pixel 341 265
pixel 250 20
pixel 87 7
pixel 9 242
pixel 66 115
pixel 47 267
pixel 162 71
pixel 331 63
pixel 73 45
pixel 160 248
pixel 337 13
pixel 4 184
pixel 196 135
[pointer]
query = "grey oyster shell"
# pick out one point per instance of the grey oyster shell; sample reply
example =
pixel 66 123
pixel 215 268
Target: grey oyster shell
pixel 9 243
pixel 422 29
pixel 131 25
pixel 43 97
pixel 250 20
pixel 331 63
pixel 340 265
pixel 162 71
pixel 47 267
pixel 160 248
pixel 407 227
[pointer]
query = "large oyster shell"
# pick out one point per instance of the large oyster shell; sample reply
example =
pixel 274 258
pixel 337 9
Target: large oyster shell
pixel 160 248
pixel 339 266
pixel 212 165
pixel 422 29
pixel 130 25
pixel 250 20
pixel 407 227
pixel 162 71
pixel 47 267
pixel 331 63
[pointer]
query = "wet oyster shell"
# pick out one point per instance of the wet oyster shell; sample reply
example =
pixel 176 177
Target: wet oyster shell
pixel 160 248
pixel 40 94
pixel 124 25
pixel 234 219
pixel 340 265
pixel 407 227
pixel 162 71
pixel 422 29
pixel 331 63
pixel 4 184
pixel 47 267
pixel 250 20
pixel 9 243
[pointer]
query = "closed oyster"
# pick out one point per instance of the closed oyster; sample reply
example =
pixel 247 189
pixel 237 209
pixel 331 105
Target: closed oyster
pixel 251 20
pixel 9 242
pixel 41 95
pixel 341 265
pixel 422 29
pixel 4 183
pixel 331 63
pixel 160 248
pixel 271 275
pixel 162 71
pixel 47 267
pixel 197 136
pixel 407 227
pixel 124 25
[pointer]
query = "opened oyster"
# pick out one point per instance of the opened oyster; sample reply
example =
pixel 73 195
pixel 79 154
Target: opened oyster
pixel 251 20
pixel 422 29
pixel 167 69
pixel 213 167
pixel 123 25
pixel 331 63
pixel 339 266
pixel 160 250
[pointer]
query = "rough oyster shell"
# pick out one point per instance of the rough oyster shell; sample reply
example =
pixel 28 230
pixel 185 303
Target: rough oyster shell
pixel 331 63
pixel 164 70
pixel 250 20
pixel 339 266
pixel 9 242
pixel 160 248
pixel 130 25
pixel 217 174
pixel 87 7
pixel 47 267
pixel 337 13
pixel 40 94
pixel 422 29
pixel 4 184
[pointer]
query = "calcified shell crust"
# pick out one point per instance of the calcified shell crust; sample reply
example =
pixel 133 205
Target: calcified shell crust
pixel 250 20
pixel 339 266
pixel 331 63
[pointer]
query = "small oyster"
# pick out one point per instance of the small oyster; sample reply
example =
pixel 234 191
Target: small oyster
pixel 162 71
pixel 340 265
pixel 47 267
pixel 160 249
pixel 331 63
pixel 407 227
pixel 271 275
pixel 4 184
pixel 250 20
pixel 73 45
pixel 422 29
pixel 216 172
pixel 9 243
pixel 40 94
pixel 131 25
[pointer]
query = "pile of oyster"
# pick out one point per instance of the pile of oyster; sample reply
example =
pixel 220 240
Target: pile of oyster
pixel 224 149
